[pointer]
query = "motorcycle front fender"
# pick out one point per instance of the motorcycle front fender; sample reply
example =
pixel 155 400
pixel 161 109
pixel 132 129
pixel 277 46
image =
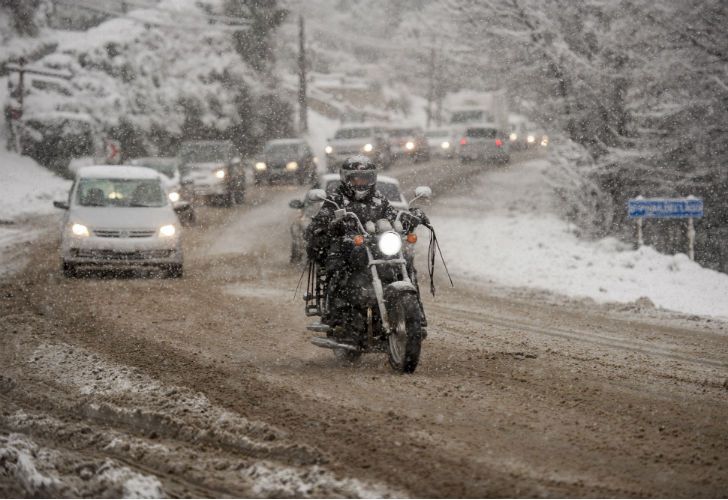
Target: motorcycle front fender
pixel 393 290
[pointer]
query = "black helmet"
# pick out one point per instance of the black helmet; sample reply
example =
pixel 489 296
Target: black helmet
pixel 358 176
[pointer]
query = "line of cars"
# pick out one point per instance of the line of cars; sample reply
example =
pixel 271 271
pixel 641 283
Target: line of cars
pixel 131 216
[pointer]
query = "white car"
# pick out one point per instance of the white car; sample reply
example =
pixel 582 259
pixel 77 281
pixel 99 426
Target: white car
pixel 442 142
pixel 388 186
pixel 119 217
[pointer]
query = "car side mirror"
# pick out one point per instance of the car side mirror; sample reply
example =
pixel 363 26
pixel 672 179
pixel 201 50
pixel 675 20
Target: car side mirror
pixel 423 192
pixel 61 204
pixel 297 204
pixel 317 195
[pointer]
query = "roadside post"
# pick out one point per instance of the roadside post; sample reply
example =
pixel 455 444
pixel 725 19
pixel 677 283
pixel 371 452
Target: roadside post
pixel 666 208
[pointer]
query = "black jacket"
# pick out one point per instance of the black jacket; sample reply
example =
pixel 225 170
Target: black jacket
pixel 320 235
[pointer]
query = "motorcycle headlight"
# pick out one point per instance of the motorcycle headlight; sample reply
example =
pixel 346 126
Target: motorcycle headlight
pixel 530 139
pixel 390 243
pixel 79 230
pixel 368 147
pixel 173 196
pixel 329 150
pixel 220 174
pixel 167 230
pixel 410 145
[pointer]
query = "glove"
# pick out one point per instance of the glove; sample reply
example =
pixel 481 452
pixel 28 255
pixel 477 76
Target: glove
pixel 417 212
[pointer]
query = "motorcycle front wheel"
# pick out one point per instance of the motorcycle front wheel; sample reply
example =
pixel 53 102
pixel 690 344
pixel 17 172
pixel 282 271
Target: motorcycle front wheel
pixel 405 341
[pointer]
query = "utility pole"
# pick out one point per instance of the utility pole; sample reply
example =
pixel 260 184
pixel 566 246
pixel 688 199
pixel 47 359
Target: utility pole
pixel 16 113
pixel 302 103
pixel 431 89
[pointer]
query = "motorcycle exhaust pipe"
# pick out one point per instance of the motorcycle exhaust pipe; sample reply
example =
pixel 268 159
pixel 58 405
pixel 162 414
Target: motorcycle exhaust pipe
pixel 328 343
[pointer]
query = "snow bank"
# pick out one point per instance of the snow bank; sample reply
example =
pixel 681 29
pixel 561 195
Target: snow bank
pixel 508 231
pixel 27 188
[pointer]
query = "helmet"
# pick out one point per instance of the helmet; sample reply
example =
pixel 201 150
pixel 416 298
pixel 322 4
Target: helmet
pixel 358 176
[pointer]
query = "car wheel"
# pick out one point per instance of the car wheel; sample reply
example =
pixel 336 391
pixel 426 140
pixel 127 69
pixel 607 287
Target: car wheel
pixel 69 270
pixel 239 196
pixel 174 271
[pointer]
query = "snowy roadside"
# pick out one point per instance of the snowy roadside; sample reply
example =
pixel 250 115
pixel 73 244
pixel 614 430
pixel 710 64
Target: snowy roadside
pixel 26 190
pixel 508 229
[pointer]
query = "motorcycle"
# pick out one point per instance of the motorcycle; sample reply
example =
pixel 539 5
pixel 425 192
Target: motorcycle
pixel 387 311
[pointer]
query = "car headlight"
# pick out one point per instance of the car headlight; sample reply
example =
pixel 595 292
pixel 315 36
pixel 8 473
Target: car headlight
pixel 220 174
pixel 368 147
pixel 530 138
pixel 410 145
pixel 291 166
pixel 329 150
pixel 513 136
pixel 545 141
pixel 167 231
pixel 390 243
pixel 260 166
pixel 79 230
pixel 173 196
pixel 445 145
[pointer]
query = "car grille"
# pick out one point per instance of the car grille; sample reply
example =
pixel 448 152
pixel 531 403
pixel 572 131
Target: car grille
pixel 113 255
pixel 122 233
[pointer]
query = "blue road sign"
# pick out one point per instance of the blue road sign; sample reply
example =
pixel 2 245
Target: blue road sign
pixel 665 208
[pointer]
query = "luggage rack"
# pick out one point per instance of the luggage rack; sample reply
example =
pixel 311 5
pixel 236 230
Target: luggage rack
pixel 315 290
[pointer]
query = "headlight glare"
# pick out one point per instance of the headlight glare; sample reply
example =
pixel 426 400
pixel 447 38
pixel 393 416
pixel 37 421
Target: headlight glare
pixel 445 145
pixel 368 147
pixel 173 196
pixel 260 166
pixel 329 150
pixel 167 231
pixel 410 145
pixel 530 138
pixel 513 136
pixel 291 166
pixel 79 230
pixel 390 243
pixel 220 174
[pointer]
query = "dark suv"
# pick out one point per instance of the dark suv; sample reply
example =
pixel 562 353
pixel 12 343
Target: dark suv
pixel 285 159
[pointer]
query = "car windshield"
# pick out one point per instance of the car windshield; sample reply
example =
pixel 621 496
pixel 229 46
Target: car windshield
pixel 163 167
pixel 353 133
pixel 487 133
pixel 204 152
pixel 120 193
pixel 282 150
pixel 436 133
pixel 402 132
pixel 388 190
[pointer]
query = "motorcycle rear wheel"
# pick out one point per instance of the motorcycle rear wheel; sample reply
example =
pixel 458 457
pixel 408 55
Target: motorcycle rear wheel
pixel 405 341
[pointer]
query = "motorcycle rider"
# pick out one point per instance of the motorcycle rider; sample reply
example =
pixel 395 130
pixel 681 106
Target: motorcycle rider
pixel 357 193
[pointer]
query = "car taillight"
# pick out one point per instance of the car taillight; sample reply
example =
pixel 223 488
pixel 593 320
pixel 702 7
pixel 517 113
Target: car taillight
pixel 498 142
pixel 463 141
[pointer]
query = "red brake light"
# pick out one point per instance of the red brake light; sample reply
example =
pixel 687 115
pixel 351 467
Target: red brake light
pixel 463 141
pixel 498 142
